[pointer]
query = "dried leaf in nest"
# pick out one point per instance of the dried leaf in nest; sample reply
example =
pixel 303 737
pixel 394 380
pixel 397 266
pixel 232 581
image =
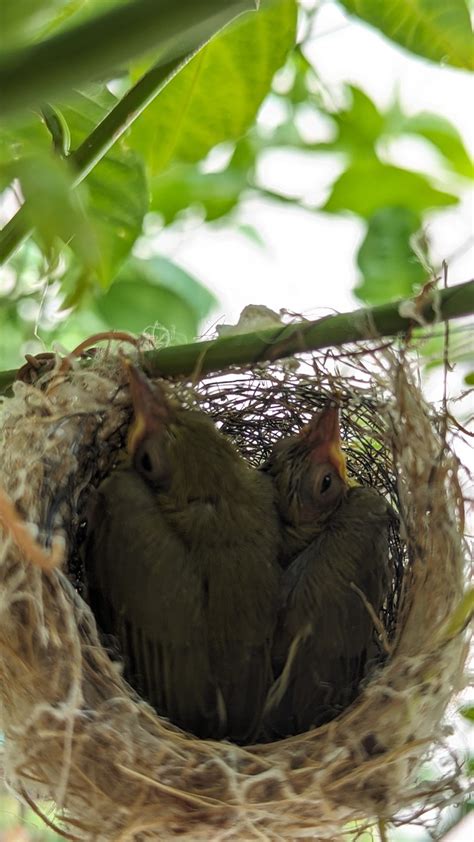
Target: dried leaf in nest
pixel 77 734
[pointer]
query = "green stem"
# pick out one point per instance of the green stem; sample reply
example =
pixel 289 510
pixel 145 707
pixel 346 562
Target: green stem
pixel 96 48
pixel 96 145
pixel 14 233
pixel 200 358
pixel 112 127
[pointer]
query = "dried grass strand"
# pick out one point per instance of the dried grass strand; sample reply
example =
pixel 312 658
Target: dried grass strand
pixel 18 529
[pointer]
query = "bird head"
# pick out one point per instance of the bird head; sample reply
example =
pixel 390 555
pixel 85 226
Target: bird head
pixel 147 442
pixel 309 470
pixel 178 452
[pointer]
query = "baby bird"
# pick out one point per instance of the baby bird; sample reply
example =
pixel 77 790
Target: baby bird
pixel 334 537
pixel 181 559
pixel 309 474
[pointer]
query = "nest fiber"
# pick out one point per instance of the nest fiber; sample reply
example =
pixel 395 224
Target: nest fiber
pixel 76 734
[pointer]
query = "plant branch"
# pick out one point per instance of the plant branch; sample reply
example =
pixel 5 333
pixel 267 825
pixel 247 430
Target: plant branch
pixel 200 358
pixel 96 48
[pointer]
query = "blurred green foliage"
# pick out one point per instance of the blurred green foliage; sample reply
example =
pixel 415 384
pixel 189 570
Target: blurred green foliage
pixel 215 97
pixel 434 29
pixel 81 269
pixel 19 824
pixel 467 711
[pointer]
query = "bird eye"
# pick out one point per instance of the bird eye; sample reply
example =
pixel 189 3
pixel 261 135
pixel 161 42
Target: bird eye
pixel 145 462
pixel 326 483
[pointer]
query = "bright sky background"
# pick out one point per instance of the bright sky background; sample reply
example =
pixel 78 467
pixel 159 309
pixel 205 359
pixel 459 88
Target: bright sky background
pixel 307 262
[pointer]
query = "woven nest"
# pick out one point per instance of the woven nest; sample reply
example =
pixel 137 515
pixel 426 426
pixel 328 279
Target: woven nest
pixel 76 734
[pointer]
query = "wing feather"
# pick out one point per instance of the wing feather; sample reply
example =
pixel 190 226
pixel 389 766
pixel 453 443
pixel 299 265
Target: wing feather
pixel 325 619
pixel 144 593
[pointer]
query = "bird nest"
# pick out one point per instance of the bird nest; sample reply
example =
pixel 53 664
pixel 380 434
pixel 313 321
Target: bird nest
pixel 78 735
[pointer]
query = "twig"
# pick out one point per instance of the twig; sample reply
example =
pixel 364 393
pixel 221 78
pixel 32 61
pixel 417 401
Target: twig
pixel 52 826
pixel 382 828
pixel 446 367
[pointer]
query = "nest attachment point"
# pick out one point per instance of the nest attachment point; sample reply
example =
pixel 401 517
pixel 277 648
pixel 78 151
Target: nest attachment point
pixel 76 734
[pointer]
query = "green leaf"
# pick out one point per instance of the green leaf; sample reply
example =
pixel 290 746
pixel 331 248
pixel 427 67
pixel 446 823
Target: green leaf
pixel 215 97
pixel 251 233
pixel 56 210
pixel 469 379
pixel 117 186
pixel 138 307
pixel 369 185
pixel 183 186
pixel 433 350
pixel 73 12
pixel 114 196
pixel 216 194
pixel 84 321
pixel 389 267
pixel 160 271
pixel 435 29
pixel 359 126
pixel 20 139
pixel 444 137
pixel 285 134
pixel 96 48
pixel 22 20
pixel 26 20
pixel 155 292
pixel 303 77
pixel 11 340
pixel 467 711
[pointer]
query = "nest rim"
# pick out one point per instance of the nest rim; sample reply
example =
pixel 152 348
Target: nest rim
pixel 258 768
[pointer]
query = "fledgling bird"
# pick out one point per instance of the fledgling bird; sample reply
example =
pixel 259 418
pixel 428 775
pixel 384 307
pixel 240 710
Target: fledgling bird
pixel 333 535
pixel 309 474
pixel 181 558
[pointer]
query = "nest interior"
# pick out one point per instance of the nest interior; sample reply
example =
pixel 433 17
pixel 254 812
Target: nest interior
pixel 78 735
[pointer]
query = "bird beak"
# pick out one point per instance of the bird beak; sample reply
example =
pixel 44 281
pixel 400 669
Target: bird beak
pixel 324 437
pixel 151 409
